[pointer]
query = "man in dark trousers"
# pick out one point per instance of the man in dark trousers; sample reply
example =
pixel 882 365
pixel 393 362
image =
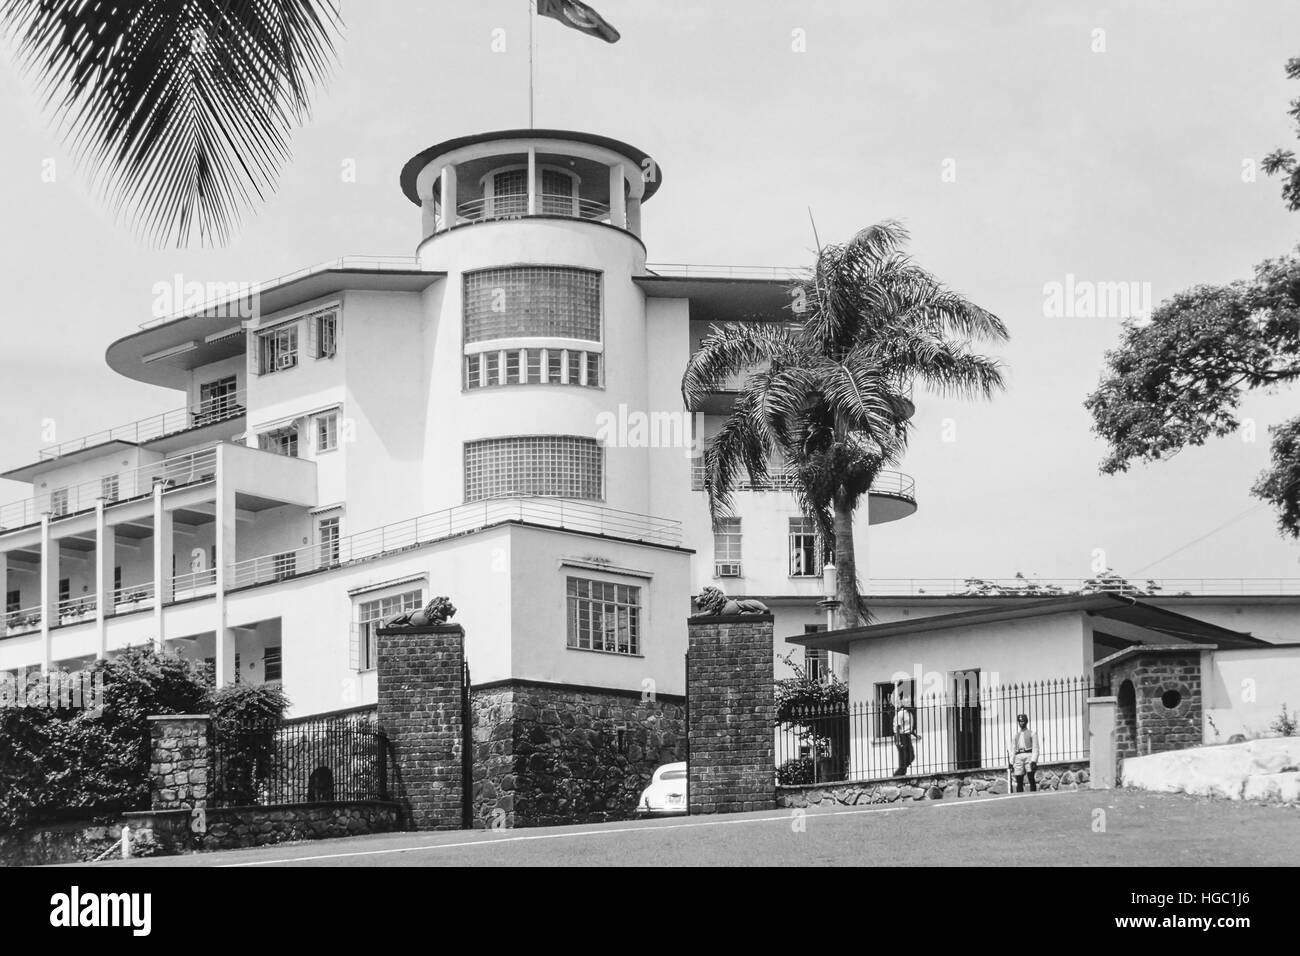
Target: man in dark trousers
pixel 903 732
pixel 1024 754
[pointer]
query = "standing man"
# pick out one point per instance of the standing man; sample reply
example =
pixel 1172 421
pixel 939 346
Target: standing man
pixel 1024 755
pixel 903 731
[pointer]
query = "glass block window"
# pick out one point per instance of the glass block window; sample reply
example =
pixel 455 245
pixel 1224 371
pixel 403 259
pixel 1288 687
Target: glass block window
pixel 548 465
pixel 603 616
pixel 510 193
pixel 557 193
pixel 532 302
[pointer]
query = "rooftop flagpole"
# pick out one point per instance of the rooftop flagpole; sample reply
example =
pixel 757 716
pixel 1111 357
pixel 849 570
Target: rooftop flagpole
pixel 532 15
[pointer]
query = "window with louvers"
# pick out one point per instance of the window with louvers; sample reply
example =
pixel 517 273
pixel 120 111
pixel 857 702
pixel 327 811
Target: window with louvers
pixel 532 302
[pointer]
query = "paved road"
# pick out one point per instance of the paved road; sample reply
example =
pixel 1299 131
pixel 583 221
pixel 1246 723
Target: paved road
pixel 1140 829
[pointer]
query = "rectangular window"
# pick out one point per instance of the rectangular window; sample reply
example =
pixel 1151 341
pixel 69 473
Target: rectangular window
pixel 593 370
pixel 492 368
pixel 327 432
pixel 816 660
pixel 327 334
pixel 217 400
pixel 282 441
pixel 372 614
pixel 329 541
pixel 558 466
pixel 284 565
pixel 534 366
pixel 604 616
pixel 279 348
pixel 726 548
pixel 886 708
pixel 472 366
pixel 108 487
pixel 271 664
pixel 65 590
pixel 59 502
pixel 808 553
pixel 117 580
pixel 532 302
pixel 512 368
pixel 13 601
pixel 555 366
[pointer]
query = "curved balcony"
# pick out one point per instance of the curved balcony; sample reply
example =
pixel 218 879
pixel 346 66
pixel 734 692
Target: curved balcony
pixel 892 495
pixel 516 207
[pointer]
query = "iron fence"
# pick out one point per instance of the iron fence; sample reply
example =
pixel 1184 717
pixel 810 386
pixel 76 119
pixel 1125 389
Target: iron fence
pixel 312 760
pixel 964 729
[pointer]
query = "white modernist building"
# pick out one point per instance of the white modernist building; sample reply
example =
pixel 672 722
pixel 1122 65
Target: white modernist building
pixel 498 420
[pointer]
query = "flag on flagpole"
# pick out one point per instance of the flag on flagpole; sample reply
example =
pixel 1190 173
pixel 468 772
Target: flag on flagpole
pixel 578 16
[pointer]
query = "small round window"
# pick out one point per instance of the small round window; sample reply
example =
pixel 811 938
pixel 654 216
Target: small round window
pixel 1171 699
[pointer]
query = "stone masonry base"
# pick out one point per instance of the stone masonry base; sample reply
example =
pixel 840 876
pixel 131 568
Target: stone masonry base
pixel 939 786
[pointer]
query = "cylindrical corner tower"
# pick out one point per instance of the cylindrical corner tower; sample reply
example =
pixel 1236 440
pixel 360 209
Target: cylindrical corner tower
pixel 538 329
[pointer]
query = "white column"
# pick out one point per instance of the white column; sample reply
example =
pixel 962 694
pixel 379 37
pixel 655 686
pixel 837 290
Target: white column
pixel 617 197
pixel 105 562
pixel 532 181
pixel 224 536
pixel 163 549
pixel 634 216
pixel 49 590
pixel 448 196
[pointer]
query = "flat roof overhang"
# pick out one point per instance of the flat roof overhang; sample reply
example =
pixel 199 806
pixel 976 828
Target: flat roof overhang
pixel 126 355
pixel 724 299
pixel 417 163
pixel 1104 606
pixel 31 471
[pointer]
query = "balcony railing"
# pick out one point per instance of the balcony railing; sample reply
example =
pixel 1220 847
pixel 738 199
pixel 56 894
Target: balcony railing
pixel 425 529
pixel 1155 588
pixel 174 472
pixel 680 270
pixel 23 619
pixel 516 207
pixel 893 483
pixel 368 263
pixel 211 412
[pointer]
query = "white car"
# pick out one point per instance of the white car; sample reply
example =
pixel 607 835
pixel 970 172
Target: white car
pixel 666 794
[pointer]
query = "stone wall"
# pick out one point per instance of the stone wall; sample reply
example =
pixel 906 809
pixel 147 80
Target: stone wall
pixel 420 675
pixel 939 786
pixel 53 843
pixel 1165 709
pixel 729 676
pixel 547 754
pixel 226 828
pixel 178 761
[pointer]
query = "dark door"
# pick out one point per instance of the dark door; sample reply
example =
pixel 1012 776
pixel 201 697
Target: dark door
pixel 964 719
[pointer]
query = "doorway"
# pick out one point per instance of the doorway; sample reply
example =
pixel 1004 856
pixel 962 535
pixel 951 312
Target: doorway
pixel 964 719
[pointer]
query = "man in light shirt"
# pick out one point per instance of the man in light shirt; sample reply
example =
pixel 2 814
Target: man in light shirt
pixel 903 732
pixel 1024 754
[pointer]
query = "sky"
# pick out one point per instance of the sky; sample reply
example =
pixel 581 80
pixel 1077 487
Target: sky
pixel 1021 142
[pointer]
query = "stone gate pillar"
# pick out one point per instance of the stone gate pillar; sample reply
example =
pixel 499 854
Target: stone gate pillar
pixel 731 704
pixel 1158 694
pixel 420 672
pixel 178 761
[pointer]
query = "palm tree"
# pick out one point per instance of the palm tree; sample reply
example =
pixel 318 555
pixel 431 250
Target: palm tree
pixel 827 393
pixel 182 109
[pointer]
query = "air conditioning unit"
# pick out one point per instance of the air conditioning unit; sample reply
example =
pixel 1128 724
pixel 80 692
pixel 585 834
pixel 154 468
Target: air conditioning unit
pixel 286 360
pixel 726 570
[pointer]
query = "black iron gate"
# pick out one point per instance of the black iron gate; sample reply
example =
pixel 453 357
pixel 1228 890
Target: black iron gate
pixel 466 752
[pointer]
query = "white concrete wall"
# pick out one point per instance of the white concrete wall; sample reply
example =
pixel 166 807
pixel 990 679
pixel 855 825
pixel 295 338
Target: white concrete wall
pixel 1244 690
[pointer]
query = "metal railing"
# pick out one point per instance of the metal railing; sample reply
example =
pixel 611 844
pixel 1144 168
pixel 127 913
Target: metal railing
pixel 23 619
pixel 680 270
pixel 887 482
pixel 131 596
pixel 951 733
pixel 175 472
pixel 315 760
pixel 1052 587
pixel 516 207
pixel 193 583
pixel 372 263
pixel 211 412
pixel 399 536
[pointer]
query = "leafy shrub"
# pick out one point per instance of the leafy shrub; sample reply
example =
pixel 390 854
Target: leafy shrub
pixel 60 764
pixel 1288 725
pixel 244 720
pixel 795 771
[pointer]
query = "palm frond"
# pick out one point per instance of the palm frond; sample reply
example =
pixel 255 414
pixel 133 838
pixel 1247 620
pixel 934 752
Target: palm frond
pixel 731 349
pixel 181 110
